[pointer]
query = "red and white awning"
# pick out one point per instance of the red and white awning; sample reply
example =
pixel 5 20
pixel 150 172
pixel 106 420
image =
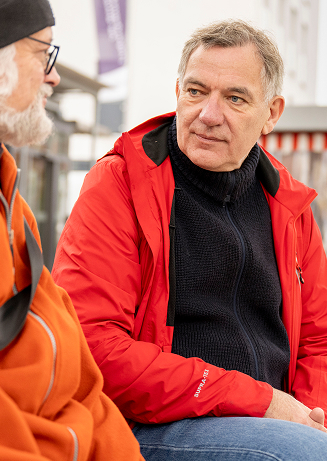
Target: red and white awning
pixel 291 142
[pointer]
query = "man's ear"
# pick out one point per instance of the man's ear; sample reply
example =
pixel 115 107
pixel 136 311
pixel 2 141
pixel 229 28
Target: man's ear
pixel 276 108
pixel 177 89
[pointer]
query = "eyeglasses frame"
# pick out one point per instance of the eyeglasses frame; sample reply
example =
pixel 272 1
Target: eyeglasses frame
pixel 48 69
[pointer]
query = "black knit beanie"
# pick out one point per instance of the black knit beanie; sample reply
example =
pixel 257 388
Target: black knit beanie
pixel 20 18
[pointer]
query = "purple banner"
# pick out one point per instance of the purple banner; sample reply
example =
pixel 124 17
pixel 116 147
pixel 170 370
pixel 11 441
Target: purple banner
pixel 111 22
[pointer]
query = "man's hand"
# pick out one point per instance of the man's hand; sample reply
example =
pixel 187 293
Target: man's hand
pixel 318 415
pixel 284 406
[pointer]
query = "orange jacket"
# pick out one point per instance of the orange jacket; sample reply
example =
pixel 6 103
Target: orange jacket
pixel 51 401
pixel 114 260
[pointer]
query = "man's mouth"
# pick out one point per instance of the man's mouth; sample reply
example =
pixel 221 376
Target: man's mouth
pixel 205 138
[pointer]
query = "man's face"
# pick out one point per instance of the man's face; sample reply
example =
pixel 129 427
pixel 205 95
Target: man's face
pixel 221 108
pixel 23 119
pixel 30 59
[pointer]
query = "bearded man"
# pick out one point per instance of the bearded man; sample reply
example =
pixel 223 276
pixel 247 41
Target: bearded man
pixel 51 400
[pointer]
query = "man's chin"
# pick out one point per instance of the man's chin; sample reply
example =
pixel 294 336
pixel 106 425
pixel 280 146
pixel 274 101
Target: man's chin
pixel 31 127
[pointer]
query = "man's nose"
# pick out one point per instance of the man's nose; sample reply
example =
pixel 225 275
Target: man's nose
pixel 212 112
pixel 53 78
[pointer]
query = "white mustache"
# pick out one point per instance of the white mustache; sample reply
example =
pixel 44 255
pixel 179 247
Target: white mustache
pixel 45 91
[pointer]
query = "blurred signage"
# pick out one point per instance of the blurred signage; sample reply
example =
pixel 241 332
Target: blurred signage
pixel 111 22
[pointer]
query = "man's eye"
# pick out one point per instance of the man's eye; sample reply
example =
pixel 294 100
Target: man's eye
pixel 193 92
pixel 236 99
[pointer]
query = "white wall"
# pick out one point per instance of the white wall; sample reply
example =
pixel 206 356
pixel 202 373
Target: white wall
pixel 75 31
pixel 321 90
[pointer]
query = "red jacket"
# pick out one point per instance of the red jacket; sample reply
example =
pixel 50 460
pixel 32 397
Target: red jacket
pixel 113 259
pixel 51 401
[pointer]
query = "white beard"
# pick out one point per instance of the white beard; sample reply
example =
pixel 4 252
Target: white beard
pixel 31 126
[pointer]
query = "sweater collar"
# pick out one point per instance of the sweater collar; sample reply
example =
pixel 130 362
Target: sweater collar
pixel 222 186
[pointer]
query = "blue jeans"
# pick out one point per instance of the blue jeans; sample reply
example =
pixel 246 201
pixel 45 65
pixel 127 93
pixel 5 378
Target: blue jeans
pixel 231 439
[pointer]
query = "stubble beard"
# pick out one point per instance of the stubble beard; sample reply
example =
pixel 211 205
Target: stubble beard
pixel 31 126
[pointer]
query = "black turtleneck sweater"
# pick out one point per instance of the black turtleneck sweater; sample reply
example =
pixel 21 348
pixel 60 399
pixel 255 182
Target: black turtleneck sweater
pixel 228 294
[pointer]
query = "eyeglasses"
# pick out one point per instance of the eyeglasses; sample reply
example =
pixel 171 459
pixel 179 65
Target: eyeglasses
pixel 52 54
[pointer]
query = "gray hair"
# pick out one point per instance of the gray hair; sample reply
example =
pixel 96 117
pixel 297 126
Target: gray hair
pixel 8 71
pixel 232 33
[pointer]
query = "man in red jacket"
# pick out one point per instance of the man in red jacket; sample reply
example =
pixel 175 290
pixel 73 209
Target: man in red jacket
pixel 198 272
pixel 51 402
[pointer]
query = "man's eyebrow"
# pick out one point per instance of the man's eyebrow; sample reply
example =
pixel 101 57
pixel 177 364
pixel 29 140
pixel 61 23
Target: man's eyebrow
pixel 234 89
pixel 193 81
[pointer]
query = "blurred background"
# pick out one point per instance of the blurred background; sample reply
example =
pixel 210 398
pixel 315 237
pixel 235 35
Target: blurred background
pixel 118 63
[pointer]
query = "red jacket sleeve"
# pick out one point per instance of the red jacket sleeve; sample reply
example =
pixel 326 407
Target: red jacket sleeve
pixel 98 263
